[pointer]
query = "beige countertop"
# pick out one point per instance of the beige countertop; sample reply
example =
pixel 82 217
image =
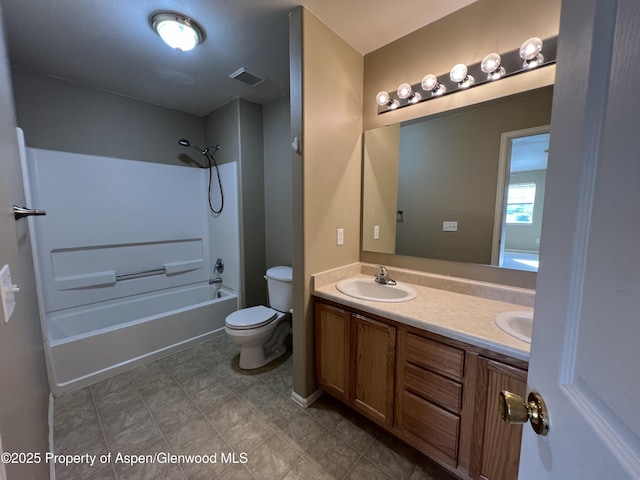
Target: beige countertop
pixel 460 316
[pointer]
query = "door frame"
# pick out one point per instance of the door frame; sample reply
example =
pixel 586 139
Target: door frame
pixel 504 162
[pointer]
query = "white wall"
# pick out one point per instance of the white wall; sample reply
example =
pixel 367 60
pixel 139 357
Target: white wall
pixel 224 228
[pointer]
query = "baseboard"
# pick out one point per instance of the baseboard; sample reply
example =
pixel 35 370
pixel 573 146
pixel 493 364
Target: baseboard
pixel 306 402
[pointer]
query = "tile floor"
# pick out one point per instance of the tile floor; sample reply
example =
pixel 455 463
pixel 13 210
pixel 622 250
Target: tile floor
pixel 197 402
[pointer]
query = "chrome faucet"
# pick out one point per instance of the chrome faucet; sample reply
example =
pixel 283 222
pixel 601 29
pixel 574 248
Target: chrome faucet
pixel 383 276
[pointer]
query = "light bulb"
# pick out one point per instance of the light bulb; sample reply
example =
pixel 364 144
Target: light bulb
pixel 415 97
pixel 530 53
pixel 458 73
pixel 393 104
pixel 404 91
pixel 430 84
pixel 382 98
pixel 491 66
pixel 531 48
pixel 490 63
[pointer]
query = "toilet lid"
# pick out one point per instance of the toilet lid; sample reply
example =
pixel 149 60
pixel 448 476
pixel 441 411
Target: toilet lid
pixel 252 317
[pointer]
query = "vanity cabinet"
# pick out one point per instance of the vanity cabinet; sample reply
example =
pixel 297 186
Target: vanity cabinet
pixel 437 394
pixel 333 341
pixel 498 454
pixel 355 360
pixel 429 395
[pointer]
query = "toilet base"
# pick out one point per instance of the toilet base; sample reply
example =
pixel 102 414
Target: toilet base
pixel 254 356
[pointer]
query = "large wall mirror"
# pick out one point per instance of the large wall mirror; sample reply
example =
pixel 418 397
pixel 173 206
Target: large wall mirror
pixel 464 186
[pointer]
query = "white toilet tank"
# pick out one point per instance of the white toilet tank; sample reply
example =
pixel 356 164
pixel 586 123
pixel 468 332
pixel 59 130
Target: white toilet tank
pixel 280 285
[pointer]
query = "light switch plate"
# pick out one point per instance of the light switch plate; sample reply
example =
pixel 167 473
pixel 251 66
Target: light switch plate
pixel 340 236
pixel 376 232
pixel 7 289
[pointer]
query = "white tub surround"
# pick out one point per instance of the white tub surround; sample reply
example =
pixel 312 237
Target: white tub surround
pixel 124 259
pixel 460 309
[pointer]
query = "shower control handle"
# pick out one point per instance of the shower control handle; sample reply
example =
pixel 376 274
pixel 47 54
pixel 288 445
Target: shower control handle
pixel 219 266
pixel 21 212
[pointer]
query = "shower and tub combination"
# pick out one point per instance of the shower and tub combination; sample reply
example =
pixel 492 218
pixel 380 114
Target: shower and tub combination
pixel 129 260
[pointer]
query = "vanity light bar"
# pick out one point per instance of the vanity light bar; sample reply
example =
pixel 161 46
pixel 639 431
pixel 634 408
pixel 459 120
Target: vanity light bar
pixel 492 68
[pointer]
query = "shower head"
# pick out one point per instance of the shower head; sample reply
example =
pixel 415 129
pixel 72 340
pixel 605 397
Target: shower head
pixel 184 142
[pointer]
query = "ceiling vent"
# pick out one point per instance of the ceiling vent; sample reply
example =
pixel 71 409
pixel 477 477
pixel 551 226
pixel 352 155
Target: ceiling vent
pixel 247 77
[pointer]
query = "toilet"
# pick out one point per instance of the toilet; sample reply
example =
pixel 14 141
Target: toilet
pixel 261 331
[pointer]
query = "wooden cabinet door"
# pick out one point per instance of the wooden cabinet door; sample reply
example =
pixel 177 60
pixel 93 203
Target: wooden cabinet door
pixel 374 345
pixel 332 327
pixel 500 456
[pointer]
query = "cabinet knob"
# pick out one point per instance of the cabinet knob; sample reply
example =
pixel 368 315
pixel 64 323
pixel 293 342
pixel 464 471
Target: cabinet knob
pixel 513 409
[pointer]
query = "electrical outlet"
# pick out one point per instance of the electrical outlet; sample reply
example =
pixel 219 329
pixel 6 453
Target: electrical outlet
pixel 376 232
pixel 449 226
pixel 340 236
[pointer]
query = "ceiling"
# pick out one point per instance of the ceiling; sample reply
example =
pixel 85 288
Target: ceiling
pixel 109 44
pixel 529 152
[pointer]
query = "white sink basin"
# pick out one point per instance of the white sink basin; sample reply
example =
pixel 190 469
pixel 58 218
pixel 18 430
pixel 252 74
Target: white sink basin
pixel 368 289
pixel 516 324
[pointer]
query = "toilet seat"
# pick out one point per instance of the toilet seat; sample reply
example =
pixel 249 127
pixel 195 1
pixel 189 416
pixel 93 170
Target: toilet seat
pixel 250 318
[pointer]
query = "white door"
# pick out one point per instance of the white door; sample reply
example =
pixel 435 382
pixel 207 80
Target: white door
pixel 586 339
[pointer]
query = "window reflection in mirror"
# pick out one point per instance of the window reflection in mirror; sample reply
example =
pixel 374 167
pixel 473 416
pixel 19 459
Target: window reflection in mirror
pixel 440 169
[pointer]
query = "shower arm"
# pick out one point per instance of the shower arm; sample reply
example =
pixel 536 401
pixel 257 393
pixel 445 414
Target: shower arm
pixel 204 151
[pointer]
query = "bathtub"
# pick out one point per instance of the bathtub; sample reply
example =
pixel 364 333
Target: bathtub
pixel 90 343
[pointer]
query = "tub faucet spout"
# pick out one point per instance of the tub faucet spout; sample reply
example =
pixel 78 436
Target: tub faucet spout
pixel 215 280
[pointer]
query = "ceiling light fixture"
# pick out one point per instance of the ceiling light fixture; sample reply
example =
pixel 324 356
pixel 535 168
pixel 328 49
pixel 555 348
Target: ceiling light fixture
pixel 493 66
pixel 179 32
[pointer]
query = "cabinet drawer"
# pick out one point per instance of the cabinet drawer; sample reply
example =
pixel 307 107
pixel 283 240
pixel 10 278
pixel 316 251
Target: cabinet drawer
pixel 434 356
pixel 431 425
pixel 433 387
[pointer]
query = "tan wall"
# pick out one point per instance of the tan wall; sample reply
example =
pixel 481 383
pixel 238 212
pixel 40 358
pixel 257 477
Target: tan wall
pixel 445 178
pixel 331 73
pixel 465 36
pixel 381 154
